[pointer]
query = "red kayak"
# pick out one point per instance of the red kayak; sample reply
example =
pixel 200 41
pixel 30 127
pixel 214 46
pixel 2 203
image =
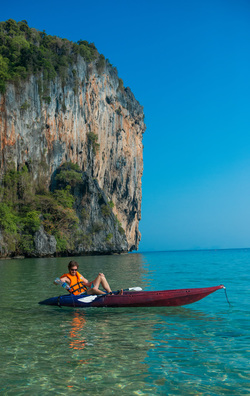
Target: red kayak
pixel 129 298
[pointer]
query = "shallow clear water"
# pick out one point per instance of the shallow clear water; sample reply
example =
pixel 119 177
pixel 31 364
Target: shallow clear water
pixel 200 349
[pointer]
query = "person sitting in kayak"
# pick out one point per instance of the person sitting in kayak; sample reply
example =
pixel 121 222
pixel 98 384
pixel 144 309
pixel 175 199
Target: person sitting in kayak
pixel 78 284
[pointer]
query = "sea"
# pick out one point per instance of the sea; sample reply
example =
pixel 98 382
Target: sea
pixel 198 349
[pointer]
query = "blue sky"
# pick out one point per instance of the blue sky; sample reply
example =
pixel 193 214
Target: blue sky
pixel 188 64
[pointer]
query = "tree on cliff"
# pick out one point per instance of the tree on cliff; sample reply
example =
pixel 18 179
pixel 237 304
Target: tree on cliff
pixel 25 51
pixel 23 209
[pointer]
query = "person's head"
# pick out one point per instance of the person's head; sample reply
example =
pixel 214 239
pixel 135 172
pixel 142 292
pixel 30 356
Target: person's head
pixel 73 267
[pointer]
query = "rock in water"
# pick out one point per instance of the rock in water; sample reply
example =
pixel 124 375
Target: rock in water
pixel 88 118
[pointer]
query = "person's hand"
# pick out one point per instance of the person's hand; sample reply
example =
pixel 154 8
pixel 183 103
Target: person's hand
pixel 101 275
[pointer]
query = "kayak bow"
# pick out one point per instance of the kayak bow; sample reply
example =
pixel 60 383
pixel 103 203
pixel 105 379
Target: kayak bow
pixel 163 298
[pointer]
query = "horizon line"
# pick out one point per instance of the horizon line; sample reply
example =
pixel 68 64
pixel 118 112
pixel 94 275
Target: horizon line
pixel 189 250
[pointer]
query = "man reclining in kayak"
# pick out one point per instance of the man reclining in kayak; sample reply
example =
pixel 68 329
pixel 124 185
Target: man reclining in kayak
pixel 78 284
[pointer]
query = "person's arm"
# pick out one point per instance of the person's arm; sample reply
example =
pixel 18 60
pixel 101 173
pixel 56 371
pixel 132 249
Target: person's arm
pixel 63 279
pixel 85 281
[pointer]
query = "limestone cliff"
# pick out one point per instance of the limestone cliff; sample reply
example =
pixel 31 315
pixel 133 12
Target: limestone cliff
pixel 89 119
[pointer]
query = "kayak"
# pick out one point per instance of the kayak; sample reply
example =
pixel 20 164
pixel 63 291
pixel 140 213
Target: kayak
pixel 131 298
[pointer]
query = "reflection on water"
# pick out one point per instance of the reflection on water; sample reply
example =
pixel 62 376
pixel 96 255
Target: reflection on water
pixel 76 336
pixel 199 349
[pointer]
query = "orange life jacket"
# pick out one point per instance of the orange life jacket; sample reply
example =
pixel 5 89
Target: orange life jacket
pixel 76 285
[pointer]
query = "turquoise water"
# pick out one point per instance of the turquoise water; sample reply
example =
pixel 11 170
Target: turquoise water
pixel 200 349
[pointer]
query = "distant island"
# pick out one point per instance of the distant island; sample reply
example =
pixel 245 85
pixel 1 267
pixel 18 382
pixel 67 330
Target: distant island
pixel 71 148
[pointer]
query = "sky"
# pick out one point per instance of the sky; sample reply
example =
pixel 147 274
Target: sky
pixel 188 64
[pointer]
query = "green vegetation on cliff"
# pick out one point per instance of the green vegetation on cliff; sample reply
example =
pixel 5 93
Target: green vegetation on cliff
pixel 25 51
pixel 26 205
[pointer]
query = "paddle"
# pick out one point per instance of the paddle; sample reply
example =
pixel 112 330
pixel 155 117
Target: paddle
pixel 65 285
pixel 136 288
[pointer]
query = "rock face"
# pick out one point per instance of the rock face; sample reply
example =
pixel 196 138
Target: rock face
pixel 88 119
pixel 45 245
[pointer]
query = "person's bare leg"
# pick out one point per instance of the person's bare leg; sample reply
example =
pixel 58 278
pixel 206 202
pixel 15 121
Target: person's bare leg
pixel 100 279
pixel 104 283
pixel 95 291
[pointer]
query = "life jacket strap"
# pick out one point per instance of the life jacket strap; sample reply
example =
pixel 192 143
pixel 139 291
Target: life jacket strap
pixel 78 287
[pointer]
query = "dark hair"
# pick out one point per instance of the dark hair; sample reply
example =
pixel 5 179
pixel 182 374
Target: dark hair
pixel 73 264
